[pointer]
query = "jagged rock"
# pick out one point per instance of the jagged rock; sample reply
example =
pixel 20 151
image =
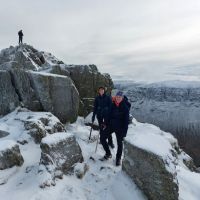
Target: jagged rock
pixel 8 97
pixel 10 154
pixel 148 171
pixel 57 94
pixel 38 127
pixel 21 57
pixel 36 130
pixel 3 134
pixel 60 151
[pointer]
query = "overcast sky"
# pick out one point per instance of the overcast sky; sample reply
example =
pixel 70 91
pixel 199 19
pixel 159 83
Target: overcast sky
pixel 129 38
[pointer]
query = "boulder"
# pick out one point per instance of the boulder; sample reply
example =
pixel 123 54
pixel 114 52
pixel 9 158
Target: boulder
pixel 39 127
pixel 60 152
pixel 148 171
pixel 150 159
pixel 57 94
pixel 10 154
pixel 8 96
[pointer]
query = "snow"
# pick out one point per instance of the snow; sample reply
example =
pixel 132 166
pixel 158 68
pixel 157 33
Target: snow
pixel 6 144
pixel 48 74
pixel 103 180
pixel 56 138
pixel 151 138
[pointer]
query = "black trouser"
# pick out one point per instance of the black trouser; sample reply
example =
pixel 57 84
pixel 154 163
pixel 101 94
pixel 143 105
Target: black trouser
pixel 100 121
pixel 106 134
pixel 20 40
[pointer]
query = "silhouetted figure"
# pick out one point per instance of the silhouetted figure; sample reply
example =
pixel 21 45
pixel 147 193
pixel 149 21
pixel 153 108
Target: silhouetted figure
pixel 20 34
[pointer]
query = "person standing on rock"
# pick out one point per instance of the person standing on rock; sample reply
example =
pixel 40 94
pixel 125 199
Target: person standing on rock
pixel 20 34
pixel 102 107
pixel 118 123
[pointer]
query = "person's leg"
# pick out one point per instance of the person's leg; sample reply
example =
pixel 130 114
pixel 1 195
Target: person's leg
pixel 20 40
pixel 119 147
pixel 110 141
pixel 103 138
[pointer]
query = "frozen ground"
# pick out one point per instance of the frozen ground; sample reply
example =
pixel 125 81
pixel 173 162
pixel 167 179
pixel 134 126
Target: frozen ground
pixel 103 181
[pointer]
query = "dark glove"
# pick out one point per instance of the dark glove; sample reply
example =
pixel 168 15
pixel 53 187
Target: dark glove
pixel 103 126
pixel 93 118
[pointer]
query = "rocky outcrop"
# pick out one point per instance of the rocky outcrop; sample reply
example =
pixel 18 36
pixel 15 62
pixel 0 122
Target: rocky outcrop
pixel 10 154
pixel 87 80
pixel 148 171
pixel 60 152
pixel 40 82
pixel 173 106
pixel 8 97
pixel 39 127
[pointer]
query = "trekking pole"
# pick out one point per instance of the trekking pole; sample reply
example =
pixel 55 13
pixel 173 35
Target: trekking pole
pixel 97 142
pixel 90 133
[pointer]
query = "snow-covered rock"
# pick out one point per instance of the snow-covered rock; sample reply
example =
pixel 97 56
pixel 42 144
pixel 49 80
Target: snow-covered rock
pixel 151 159
pixel 60 152
pixel 39 127
pixel 173 106
pixel 10 154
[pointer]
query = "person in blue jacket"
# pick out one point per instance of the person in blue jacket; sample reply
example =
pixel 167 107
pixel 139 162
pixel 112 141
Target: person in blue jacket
pixel 118 123
pixel 102 107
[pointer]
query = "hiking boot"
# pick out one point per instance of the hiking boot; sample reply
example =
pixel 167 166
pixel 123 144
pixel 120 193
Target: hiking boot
pixel 106 157
pixel 118 162
pixel 111 145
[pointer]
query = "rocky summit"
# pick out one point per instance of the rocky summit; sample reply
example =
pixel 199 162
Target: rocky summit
pixel 40 82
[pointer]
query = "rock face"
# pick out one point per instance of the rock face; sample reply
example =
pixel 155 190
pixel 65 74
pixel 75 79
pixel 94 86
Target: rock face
pixel 87 80
pixel 8 97
pixel 60 152
pixel 10 154
pixel 57 94
pixel 148 171
pixel 35 91
pixel 173 106
pixel 32 80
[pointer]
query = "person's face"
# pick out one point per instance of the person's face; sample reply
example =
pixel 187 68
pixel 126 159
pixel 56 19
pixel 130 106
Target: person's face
pixel 118 99
pixel 101 91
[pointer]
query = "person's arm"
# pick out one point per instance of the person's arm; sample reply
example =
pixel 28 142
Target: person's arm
pixel 126 120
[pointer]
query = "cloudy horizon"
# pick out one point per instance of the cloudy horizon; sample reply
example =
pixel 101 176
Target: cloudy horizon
pixel 129 39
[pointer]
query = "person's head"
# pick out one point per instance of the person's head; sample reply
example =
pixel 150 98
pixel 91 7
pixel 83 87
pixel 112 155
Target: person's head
pixel 119 97
pixel 101 90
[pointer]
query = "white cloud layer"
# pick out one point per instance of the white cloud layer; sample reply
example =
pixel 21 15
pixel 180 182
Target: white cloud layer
pixel 135 39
